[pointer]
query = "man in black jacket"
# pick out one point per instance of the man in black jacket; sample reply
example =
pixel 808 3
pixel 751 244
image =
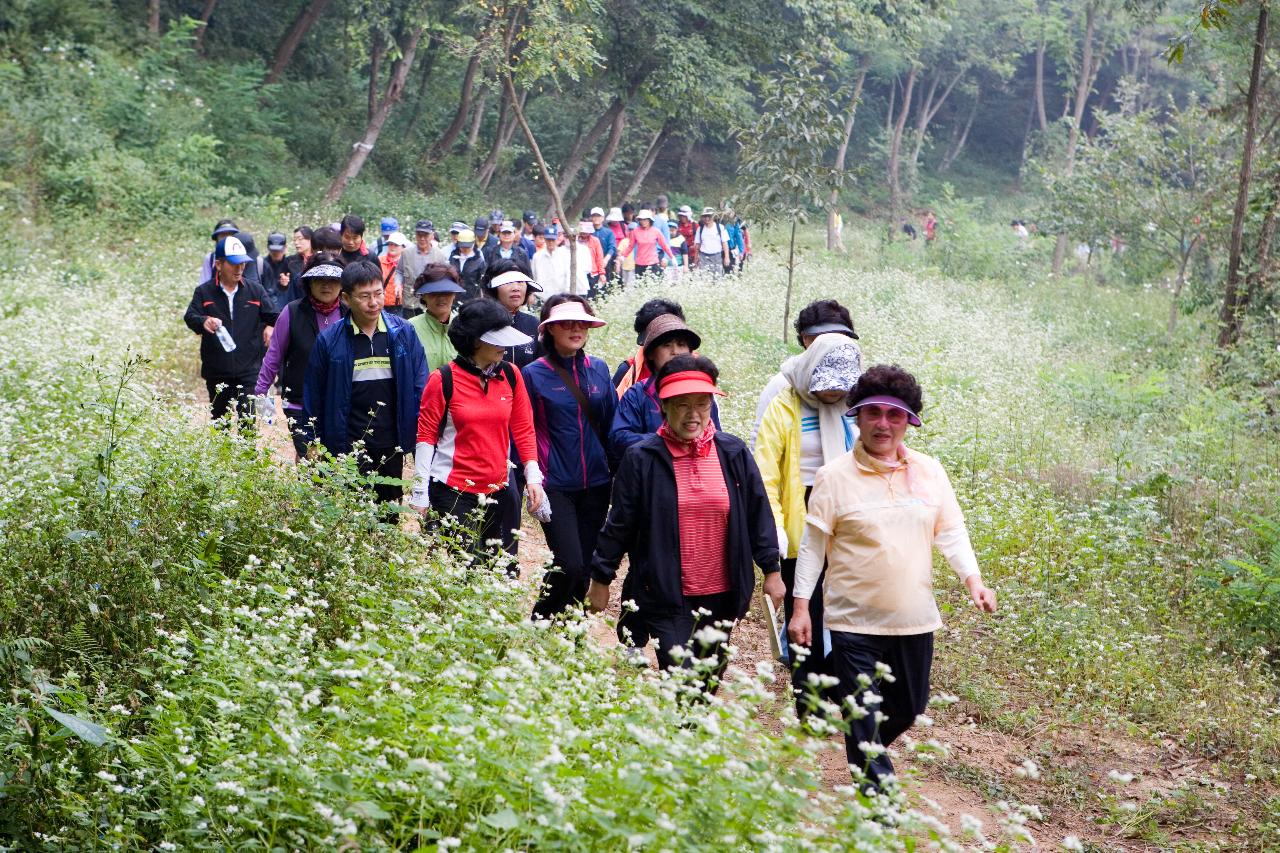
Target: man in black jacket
pixel 234 319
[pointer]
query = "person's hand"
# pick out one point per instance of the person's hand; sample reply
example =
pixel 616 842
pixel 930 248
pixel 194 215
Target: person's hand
pixel 800 626
pixel 266 335
pixel 212 324
pixel 774 588
pixel 598 596
pixel 284 279
pixel 984 598
pixel 535 495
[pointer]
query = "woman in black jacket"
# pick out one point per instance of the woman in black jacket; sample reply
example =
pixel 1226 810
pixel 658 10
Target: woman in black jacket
pixel 690 510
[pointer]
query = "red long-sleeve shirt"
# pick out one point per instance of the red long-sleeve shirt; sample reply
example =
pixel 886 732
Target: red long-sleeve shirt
pixel 484 416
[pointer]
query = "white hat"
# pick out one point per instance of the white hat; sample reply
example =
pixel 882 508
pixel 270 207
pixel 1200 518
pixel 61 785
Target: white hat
pixel 598 211
pixel 685 210
pixel 586 228
pixel 506 336
pixel 507 225
pixel 513 277
pixel 615 215
pixel 568 312
pixel 708 211
pixel 645 213
pixel 398 238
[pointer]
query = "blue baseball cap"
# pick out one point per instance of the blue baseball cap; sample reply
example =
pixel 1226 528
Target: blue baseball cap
pixel 552 232
pixel 389 224
pixel 231 249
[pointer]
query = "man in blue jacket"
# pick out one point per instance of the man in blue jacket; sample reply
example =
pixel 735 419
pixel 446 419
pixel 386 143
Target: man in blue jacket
pixel 364 382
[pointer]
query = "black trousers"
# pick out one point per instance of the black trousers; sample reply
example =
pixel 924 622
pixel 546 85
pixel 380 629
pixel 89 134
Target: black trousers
pixel 226 392
pixel 302 433
pixel 576 519
pixel 648 269
pixel 383 462
pixel 910 658
pixel 677 629
pixel 458 505
pixel 816 662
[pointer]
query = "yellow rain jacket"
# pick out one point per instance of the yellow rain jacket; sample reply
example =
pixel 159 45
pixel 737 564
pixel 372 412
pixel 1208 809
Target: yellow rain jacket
pixel 778 457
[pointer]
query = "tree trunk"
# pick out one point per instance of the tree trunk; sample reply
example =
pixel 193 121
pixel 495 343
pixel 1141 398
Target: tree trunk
pixel 1229 318
pixel 928 110
pixel 603 162
pixel 477 117
pixel 1073 135
pixel 650 157
pixel 377 47
pixel 791 271
pixel 205 15
pixel 153 17
pixel 395 88
pixel 506 129
pixel 302 24
pixel 686 160
pixel 833 239
pixel 1039 93
pixel 1178 284
pixel 1026 145
pixel 446 140
pixel 547 179
pixel 963 136
pixel 1262 256
pixel 895 153
pixel 588 141
pixel 427 65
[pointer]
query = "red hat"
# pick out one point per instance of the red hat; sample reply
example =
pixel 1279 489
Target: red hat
pixel 687 382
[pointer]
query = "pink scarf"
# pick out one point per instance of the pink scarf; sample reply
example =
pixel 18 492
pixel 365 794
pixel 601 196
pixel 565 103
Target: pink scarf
pixel 699 446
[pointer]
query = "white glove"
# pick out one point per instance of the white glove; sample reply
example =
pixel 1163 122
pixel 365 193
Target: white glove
pixel 783 542
pixel 422 456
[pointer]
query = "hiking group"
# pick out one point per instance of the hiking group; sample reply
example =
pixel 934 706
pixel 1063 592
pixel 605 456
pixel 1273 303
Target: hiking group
pixel 430 351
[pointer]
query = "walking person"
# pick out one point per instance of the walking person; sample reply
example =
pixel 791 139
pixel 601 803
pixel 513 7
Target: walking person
pixel 363 383
pixel 436 289
pixel 507 247
pixel 711 241
pixel 573 403
pixel 674 271
pixel 639 412
pixel 297 262
pixel 300 324
pixel 473 408
pixel 351 232
pixel 804 428
pixel 820 317
pixel 510 286
pixel 874 517
pixel 425 250
pixel 393 282
pixel 690 512
pixel 222 228
pixel 649 245
pixel 468 262
pixel 234 319
pixel 633 368
pixel 275 273
pixel 737 246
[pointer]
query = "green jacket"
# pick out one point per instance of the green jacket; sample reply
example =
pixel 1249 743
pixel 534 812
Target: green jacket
pixel 434 336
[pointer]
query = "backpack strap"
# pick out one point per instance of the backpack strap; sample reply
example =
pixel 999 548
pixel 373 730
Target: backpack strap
pixel 575 389
pixel 446 391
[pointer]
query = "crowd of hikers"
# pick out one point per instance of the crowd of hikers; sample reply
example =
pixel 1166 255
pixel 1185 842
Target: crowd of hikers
pixel 430 350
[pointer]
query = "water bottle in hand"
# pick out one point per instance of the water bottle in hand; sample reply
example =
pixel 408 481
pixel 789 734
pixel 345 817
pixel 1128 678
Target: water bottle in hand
pixel 224 337
pixel 543 512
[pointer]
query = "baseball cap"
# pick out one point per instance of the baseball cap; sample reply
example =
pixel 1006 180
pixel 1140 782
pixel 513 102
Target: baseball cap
pixel 224 227
pixel 275 240
pixel 496 215
pixel 466 237
pixel 597 211
pixel 457 228
pixel 585 227
pixel 551 232
pixel 530 217
pixel 231 249
pixel 424 226
pixel 482 224
pixel 507 227
pixel 389 224
pixel 397 238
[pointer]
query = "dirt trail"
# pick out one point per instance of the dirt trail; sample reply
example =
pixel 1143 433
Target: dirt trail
pixel 1174 799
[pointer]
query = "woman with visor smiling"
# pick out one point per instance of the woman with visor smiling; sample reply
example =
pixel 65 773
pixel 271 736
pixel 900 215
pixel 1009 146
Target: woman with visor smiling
pixel 875 515
pixel 690 511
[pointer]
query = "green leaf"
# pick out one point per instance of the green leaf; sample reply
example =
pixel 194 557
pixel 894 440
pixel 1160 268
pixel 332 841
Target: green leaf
pixel 87 731
pixel 505 819
pixel 370 810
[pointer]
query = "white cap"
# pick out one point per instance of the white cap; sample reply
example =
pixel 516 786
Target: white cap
pixel 615 215
pixel 398 238
pixel 645 213
pixel 507 336
pixel 586 228
pixel 507 225
pixel 514 277
pixel 598 211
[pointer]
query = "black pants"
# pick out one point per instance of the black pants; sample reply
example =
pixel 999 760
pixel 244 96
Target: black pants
pixel 383 462
pixel 677 629
pixel 817 662
pixel 576 519
pixel 511 510
pixel 909 658
pixel 481 532
pixel 648 269
pixel 302 433
pixel 228 391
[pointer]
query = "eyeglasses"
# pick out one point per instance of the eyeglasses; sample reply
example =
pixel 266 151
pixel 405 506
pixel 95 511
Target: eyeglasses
pixel 684 406
pixel 572 325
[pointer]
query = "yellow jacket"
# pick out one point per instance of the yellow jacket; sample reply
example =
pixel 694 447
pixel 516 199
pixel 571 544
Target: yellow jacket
pixel 778 457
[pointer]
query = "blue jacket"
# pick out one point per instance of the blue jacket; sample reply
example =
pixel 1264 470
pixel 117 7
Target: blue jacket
pixel 608 245
pixel 571 454
pixel 638 415
pixel 734 232
pixel 326 393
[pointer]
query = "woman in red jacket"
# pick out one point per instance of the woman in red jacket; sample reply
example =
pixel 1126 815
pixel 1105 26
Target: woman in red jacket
pixel 472 409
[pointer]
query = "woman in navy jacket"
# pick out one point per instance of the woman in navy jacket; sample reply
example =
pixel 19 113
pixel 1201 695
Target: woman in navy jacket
pixel 571 445
pixel 690 510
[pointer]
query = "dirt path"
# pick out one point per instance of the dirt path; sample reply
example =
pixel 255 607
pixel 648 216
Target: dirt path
pixel 1066 772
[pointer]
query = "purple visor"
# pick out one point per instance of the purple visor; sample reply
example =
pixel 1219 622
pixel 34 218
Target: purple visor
pixel 885 400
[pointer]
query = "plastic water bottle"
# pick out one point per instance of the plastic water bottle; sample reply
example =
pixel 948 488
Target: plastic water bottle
pixel 266 406
pixel 224 337
pixel 543 512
